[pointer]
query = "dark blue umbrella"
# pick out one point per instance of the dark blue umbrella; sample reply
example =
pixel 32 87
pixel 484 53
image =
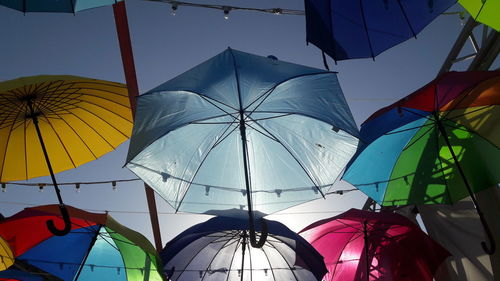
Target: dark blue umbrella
pixel 242 131
pixel 349 29
pixel 218 249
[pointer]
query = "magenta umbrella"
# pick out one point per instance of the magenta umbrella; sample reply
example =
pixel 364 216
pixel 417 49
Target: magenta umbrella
pixel 395 248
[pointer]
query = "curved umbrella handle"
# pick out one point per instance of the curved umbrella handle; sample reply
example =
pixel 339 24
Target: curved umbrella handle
pixel 67 223
pixel 263 235
pixel 489 250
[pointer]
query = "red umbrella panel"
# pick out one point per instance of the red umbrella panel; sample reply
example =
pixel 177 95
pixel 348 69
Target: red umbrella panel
pixel 386 245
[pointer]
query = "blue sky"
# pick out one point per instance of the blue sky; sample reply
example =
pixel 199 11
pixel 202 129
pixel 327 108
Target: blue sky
pixel 164 46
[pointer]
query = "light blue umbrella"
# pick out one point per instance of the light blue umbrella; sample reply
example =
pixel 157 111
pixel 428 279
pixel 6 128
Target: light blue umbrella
pixel 243 131
pixel 55 6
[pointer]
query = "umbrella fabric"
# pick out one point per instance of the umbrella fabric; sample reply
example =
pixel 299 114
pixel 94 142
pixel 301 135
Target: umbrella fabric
pixel 80 119
pixel 6 256
pixel 404 158
pixel 55 6
pixel 187 137
pixel 484 11
pixel 96 248
pixel 17 275
pixel 213 251
pixel 396 248
pixel 346 29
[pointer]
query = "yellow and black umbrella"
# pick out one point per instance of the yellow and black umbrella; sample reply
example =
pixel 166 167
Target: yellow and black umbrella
pixel 49 124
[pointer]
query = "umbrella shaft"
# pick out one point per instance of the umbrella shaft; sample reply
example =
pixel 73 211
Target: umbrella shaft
pixel 455 159
pixel 245 166
pixel 39 133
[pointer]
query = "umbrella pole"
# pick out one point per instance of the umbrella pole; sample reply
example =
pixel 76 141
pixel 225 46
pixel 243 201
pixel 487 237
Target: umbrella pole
pixel 253 239
pixel 64 212
pixel 243 247
pixel 492 248
pixel 365 238
pixel 123 34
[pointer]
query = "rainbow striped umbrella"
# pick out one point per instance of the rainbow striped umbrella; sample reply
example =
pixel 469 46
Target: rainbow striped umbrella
pixel 435 146
pixel 96 248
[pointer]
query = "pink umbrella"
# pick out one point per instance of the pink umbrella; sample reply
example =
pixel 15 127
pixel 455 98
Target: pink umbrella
pixel 395 248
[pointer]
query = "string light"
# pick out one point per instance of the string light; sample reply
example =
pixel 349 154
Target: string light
pixel 226 12
pixel 40 187
pixel 276 11
pixel 113 185
pixel 4 187
pixel 174 8
pixel 77 187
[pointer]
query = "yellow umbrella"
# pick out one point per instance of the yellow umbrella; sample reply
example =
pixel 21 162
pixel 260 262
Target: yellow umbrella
pixel 63 121
pixel 6 256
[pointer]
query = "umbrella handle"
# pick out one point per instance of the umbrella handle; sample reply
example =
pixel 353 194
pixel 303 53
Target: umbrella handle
pixel 67 223
pixel 489 250
pixel 263 235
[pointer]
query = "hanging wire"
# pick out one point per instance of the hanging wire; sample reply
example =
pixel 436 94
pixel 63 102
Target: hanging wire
pixel 226 8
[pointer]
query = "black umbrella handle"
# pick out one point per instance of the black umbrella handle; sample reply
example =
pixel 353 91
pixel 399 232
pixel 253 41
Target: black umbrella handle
pixel 489 250
pixel 263 235
pixel 67 223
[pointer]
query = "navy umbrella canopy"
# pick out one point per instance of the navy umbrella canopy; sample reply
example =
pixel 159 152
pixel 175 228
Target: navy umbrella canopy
pixel 218 249
pixel 350 29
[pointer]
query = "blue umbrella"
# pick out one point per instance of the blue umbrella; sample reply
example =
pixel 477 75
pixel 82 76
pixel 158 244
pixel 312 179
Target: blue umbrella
pixel 55 6
pixel 218 249
pixel 242 131
pixel 349 29
pixel 17 275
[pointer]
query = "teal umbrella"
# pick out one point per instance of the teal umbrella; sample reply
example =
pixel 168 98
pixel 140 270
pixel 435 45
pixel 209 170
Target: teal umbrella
pixel 55 6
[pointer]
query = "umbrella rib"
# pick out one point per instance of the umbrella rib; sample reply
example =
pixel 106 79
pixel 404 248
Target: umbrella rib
pixel 198 169
pixel 268 261
pixel 102 119
pixel 286 261
pixel 7 143
pixel 232 257
pixel 97 105
pixel 417 139
pixel 60 140
pixel 406 18
pixel 271 90
pixel 25 152
pixel 407 129
pixel 293 156
pixel 478 108
pixel 76 132
pixel 213 258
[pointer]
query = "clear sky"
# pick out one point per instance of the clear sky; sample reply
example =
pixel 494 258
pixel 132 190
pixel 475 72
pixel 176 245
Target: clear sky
pixel 164 46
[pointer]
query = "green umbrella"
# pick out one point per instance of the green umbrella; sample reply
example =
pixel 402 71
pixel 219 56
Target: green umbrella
pixel 484 11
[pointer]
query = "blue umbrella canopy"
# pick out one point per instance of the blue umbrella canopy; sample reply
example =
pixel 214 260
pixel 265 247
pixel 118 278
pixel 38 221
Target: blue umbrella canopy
pixel 218 249
pixel 187 137
pixel 55 6
pixel 242 131
pixel 347 29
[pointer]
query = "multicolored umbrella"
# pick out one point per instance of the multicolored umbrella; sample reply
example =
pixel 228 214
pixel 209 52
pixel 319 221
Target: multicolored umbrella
pixel 435 146
pixel 484 11
pixel 63 121
pixel 386 245
pixel 219 249
pixel 96 248
pixel 242 131
pixel 346 29
pixel 55 6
